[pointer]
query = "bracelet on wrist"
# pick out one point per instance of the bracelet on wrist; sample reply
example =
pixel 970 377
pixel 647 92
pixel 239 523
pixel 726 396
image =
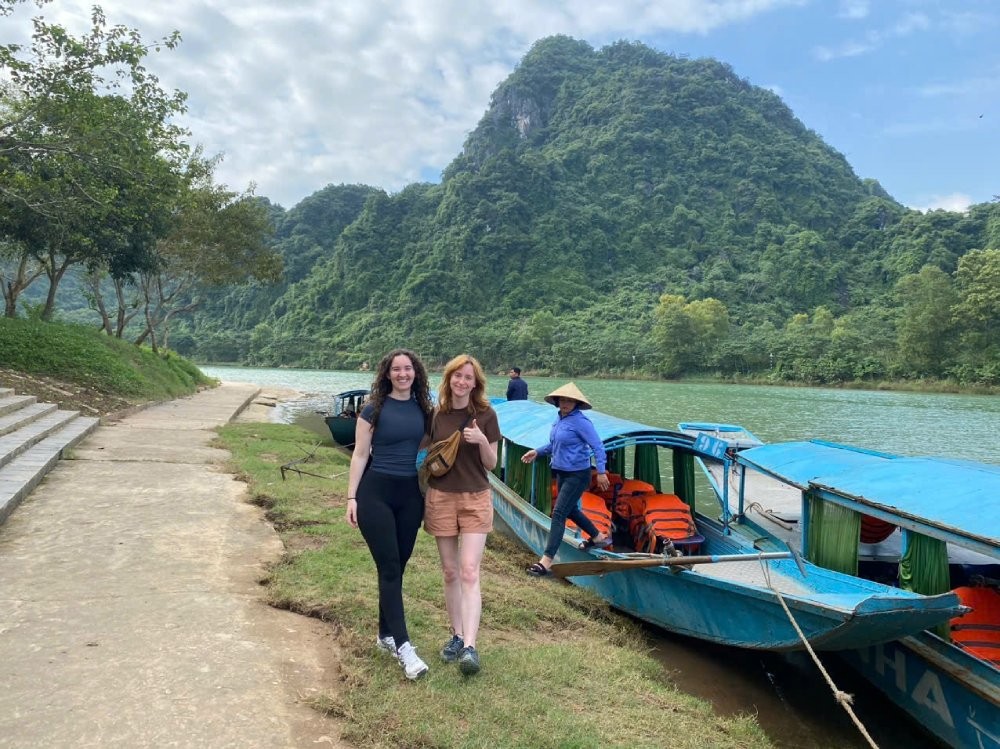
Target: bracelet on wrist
pixel 350 498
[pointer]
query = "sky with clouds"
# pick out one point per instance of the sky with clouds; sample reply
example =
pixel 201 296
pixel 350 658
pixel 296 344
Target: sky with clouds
pixel 299 94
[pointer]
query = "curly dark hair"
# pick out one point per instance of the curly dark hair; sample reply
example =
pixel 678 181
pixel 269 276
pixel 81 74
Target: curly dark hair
pixel 382 385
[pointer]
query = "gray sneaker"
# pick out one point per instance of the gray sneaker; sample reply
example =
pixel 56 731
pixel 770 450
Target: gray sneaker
pixel 468 661
pixel 452 649
pixel 386 644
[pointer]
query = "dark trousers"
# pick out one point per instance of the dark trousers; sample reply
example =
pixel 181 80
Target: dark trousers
pixel 571 486
pixel 390 509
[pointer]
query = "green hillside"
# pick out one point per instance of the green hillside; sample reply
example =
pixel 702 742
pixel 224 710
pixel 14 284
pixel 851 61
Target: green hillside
pixel 623 208
pixel 96 368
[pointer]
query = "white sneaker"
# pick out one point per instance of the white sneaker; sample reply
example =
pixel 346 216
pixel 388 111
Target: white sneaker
pixel 413 667
pixel 386 644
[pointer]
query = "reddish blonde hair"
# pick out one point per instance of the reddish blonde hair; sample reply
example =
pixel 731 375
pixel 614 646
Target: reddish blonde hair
pixel 477 398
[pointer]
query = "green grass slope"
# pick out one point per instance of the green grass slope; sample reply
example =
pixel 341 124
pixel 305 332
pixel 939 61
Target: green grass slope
pixel 84 357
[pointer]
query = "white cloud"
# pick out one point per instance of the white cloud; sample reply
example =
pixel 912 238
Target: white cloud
pixel 874 38
pixel 977 86
pixel 298 94
pixel 958 202
pixel 854 9
pixel 303 93
pixel 933 126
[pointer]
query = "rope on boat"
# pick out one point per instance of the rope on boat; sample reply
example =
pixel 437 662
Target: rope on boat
pixel 844 699
pixel 768 514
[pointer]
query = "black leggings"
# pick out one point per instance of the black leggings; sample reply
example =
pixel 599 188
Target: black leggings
pixel 390 509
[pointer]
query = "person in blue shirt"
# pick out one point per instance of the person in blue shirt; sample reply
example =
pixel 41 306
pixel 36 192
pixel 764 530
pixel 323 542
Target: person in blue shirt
pixel 383 497
pixel 517 389
pixel 571 442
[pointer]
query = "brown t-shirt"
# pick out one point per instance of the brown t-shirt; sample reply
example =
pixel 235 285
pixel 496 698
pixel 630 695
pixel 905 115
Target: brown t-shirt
pixel 468 473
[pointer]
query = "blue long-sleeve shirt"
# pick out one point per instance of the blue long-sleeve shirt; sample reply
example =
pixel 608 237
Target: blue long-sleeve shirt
pixel 571 441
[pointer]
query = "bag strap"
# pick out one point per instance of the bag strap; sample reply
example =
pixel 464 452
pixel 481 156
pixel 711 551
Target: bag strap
pixel 434 420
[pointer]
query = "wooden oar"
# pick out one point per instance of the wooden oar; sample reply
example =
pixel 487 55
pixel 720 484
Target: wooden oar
pixel 601 566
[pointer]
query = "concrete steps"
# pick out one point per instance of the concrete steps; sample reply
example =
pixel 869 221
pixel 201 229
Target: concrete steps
pixel 33 437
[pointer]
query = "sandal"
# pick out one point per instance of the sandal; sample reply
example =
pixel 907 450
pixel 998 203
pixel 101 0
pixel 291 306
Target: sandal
pixel 539 570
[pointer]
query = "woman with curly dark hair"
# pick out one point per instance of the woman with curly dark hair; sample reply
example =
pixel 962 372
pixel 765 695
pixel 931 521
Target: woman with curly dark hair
pixel 383 496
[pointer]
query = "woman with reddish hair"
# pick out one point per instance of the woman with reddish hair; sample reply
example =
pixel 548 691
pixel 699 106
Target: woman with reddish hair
pixel 459 506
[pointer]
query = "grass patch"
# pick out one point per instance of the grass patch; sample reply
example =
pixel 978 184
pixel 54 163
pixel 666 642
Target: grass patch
pixel 560 668
pixel 87 357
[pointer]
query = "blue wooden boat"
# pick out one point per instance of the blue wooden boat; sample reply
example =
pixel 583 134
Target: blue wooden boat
pixel 342 420
pixel 728 603
pixel 735 436
pixel 950 690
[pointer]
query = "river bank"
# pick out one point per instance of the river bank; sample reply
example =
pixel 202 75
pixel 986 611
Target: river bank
pixel 559 667
pixel 130 580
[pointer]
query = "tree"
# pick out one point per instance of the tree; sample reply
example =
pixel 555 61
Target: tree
pixel 85 140
pixel 55 82
pixel 17 272
pixel 710 326
pixel 219 237
pixel 797 270
pixel 978 277
pixel 673 332
pixel 978 315
pixel 926 325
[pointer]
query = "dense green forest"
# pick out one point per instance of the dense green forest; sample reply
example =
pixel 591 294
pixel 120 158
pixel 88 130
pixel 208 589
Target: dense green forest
pixel 623 211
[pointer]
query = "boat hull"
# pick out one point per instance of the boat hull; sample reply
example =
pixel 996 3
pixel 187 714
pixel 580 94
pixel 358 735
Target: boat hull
pixel 709 607
pixel 952 694
pixel 341 429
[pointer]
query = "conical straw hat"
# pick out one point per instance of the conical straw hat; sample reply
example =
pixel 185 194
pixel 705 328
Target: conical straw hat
pixel 569 390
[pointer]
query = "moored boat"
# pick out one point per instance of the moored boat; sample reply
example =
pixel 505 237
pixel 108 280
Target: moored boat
pixel 342 420
pixel 933 524
pixel 735 603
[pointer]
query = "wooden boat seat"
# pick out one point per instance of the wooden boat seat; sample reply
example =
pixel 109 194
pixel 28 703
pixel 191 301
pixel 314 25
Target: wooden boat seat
pixel 979 630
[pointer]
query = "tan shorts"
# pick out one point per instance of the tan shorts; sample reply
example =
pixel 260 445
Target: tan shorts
pixel 451 513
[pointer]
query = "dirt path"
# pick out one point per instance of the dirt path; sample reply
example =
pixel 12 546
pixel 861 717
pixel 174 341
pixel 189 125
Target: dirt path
pixel 130 609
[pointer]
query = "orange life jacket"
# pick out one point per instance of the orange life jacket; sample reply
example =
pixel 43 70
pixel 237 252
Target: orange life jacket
pixel 634 486
pixel 979 630
pixel 667 517
pixel 595 508
pixel 619 486
pixel 631 508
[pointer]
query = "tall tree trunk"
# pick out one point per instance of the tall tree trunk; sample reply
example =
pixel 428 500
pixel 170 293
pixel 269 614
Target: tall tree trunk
pixel 55 273
pixel 96 299
pixel 179 311
pixel 18 282
pixel 126 309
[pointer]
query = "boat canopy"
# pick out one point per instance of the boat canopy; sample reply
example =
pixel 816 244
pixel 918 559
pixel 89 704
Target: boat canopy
pixel 354 393
pixel 733 434
pixel 798 463
pixel 528 424
pixel 950 499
